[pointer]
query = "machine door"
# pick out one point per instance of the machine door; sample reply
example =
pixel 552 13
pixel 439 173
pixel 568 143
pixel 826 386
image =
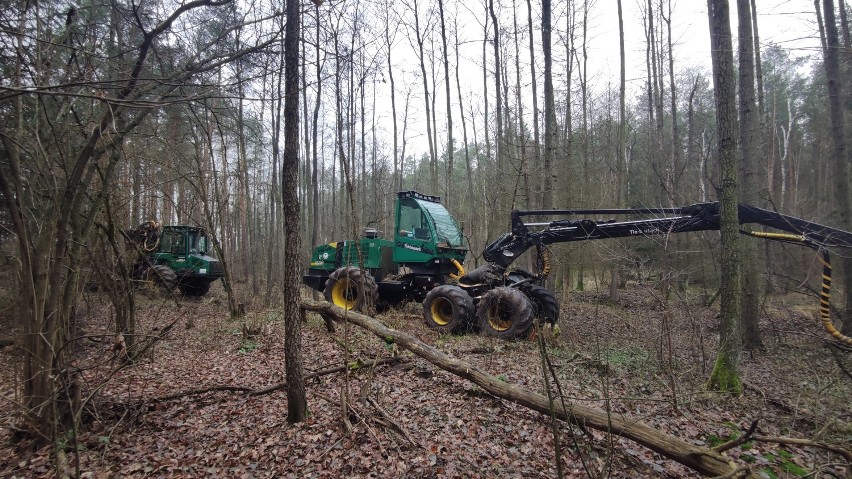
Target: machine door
pixel 414 238
pixel 173 242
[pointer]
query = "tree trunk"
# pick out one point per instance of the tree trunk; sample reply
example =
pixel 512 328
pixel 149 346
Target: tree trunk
pixel 448 182
pixel 498 111
pixel 843 198
pixel 297 407
pixel 725 374
pixel 315 215
pixel 275 117
pixel 549 106
pixel 521 142
pixel 758 67
pixel 584 101
pixel 536 159
pixel 621 152
pixel 469 166
pixel 657 100
pixel 748 177
pixel 397 163
pixel 421 56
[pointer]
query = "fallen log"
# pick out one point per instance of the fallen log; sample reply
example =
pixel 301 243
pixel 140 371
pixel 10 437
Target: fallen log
pixel 702 460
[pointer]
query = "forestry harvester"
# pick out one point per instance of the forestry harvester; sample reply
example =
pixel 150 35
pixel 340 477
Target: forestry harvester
pixel 174 256
pixel 423 261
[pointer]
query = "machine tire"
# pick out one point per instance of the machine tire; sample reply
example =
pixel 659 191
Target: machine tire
pixel 161 276
pixel 448 308
pixel 190 289
pixel 545 304
pixel 505 313
pixel 351 289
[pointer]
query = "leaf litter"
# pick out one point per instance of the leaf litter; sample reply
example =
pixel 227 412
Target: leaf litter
pixel 410 419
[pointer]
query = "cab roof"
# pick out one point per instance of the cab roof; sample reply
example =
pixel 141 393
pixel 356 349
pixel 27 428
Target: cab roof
pixel 418 196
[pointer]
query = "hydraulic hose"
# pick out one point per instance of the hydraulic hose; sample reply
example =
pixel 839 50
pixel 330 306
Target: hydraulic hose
pixel 458 266
pixel 825 292
pixel 824 306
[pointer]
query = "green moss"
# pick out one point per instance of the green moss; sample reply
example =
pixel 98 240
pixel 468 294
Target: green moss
pixel 724 377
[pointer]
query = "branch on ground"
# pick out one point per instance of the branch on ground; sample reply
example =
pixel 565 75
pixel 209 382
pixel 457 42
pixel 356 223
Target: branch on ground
pixel 275 387
pixel 793 441
pixel 738 441
pixel 703 460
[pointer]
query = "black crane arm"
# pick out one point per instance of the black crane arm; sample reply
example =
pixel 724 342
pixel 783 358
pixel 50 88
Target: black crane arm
pixel 697 217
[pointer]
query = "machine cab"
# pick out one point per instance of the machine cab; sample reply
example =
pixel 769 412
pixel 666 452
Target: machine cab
pixel 185 250
pixel 426 233
pixel 183 241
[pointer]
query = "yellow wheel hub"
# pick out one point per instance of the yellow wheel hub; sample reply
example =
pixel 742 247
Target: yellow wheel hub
pixel 442 311
pixel 497 317
pixel 344 293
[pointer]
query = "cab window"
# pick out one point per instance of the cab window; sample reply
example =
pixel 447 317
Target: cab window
pixel 412 221
pixel 172 242
pixel 198 243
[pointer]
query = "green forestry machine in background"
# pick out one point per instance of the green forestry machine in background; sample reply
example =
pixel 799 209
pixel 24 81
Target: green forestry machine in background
pixel 423 261
pixel 174 256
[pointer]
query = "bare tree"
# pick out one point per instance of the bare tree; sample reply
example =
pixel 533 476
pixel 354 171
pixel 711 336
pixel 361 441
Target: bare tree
pixel 536 161
pixel 747 175
pixel 549 106
pixel 450 148
pixel 498 107
pixel 621 151
pixel 397 161
pixel 725 375
pixel 468 164
pixel 80 132
pixel 420 34
pixel 315 131
pixel 675 154
pixel 842 192
pixel 297 406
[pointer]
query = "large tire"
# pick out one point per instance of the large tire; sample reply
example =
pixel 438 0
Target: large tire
pixel 505 313
pixel 448 308
pixel 545 305
pixel 351 289
pixel 194 289
pixel 161 276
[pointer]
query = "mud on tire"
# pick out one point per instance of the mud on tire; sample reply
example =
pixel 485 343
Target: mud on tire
pixel 505 313
pixel 545 305
pixel 350 288
pixel 161 276
pixel 448 308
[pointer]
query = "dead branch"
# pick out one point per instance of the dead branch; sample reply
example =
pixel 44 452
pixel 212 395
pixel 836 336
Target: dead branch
pixel 738 472
pixel 793 441
pixel 705 461
pixel 738 441
pixel 387 417
pixel 196 392
pixel 324 372
pixel 781 405
pixel 274 387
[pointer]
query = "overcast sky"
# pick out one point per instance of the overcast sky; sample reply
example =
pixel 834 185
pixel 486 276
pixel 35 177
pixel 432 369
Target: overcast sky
pixel 790 24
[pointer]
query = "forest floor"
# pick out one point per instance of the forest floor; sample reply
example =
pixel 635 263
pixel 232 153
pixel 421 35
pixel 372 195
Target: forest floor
pixel 642 357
